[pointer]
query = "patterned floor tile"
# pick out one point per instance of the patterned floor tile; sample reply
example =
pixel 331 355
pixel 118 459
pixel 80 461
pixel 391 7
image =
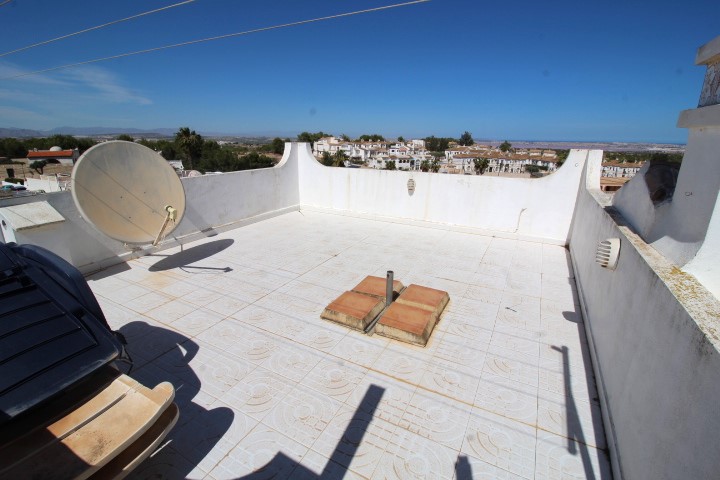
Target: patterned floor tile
pixel 265 453
pixel 357 348
pixel 575 419
pixel 504 443
pixel 453 380
pixel 355 439
pixel 335 378
pixel 302 414
pixel 258 393
pixel 558 458
pixel 292 361
pixel 469 467
pixel 510 369
pixel 509 399
pixel 411 456
pixel 394 397
pixel 436 418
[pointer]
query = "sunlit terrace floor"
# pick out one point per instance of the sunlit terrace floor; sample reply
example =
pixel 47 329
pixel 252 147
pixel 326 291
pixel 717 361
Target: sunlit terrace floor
pixel 504 389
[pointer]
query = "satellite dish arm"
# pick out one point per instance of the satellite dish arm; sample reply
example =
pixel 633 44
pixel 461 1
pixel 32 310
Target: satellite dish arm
pixel 170 217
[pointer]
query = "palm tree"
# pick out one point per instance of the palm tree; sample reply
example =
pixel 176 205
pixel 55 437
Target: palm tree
pixel 190 143
pixel 481 164
pixel 339 159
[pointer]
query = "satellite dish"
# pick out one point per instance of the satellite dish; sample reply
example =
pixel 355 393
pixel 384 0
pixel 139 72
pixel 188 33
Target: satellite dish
pixel 128 192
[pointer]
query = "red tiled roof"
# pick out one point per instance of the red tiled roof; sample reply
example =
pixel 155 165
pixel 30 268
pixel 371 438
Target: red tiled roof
pixel 50 153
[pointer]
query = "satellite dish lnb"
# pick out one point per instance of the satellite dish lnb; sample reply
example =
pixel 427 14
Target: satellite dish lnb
pixel 128 192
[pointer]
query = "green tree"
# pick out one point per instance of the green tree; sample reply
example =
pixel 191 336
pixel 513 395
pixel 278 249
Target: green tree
pixel 190 144
pixel 562 156
pixel 126 137
pixel 255 160
pixel 311 138
pixel 401 140
pixel 344 138
pixel 466 139
pixel 326 159
pixel 371 138
pixel 425 166
pixel 435 165
pixel 390 165
pixel 38 166
pixel 505 146
pixel 278 145
pixel 12 148
pixel 480 165
pixel 434 144
pixel 339 159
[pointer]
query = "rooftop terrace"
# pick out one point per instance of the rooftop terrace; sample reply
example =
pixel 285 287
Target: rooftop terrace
pixel 504 388
pixel 545 364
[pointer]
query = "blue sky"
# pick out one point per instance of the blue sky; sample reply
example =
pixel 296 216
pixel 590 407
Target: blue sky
pixel 608 71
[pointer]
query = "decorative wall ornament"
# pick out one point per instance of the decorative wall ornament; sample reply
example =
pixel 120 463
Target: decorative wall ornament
pixel 411 186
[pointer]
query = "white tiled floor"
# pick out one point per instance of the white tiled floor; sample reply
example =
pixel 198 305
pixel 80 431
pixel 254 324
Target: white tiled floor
pixel 504 388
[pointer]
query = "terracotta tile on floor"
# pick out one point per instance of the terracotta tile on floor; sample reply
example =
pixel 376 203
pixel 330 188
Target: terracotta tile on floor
pixel 353 309
pixel 377 287
pixel 407 323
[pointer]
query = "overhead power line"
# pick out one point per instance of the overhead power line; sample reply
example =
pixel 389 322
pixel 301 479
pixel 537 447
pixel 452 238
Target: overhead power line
pixel 2 4
pixel 210 39
pixel 98 27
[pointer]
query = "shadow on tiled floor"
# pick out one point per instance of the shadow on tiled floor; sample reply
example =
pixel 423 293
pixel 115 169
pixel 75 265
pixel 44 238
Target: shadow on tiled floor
pixel 186 257
pixel 178 351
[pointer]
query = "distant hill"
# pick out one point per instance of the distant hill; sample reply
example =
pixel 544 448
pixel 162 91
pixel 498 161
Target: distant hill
pixel 252 137
pixel 19 133
pixel 85 132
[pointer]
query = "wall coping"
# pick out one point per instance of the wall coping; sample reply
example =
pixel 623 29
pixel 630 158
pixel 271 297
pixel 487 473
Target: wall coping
pixel 708 53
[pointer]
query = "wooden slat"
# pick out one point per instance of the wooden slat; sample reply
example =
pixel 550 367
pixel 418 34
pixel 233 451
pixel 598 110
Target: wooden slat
pixel 80 443
pixel 134 455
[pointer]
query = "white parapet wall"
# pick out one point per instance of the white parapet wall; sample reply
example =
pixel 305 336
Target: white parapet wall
pixel 654 336
pixel 685 228
pixel 535 209
pixel 214 203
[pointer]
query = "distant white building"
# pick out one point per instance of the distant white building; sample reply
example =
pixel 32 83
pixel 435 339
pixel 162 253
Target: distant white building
pixel 620 170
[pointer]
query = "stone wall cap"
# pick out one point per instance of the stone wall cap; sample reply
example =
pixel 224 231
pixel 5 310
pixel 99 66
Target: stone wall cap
pixel 700 117
pixel 709 53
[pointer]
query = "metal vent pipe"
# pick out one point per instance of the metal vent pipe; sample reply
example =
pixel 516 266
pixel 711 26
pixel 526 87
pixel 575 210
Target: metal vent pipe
pixel 389 288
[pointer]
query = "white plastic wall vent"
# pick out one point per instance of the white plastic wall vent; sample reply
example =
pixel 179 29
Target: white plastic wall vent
pixel 608 252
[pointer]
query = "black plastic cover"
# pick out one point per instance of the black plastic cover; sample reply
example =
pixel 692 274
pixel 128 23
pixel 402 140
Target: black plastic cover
pixel 52 332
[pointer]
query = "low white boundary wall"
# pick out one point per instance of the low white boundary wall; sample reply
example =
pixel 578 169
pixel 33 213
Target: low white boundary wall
pixel 214 203
pixel 654 338
pixel 535 209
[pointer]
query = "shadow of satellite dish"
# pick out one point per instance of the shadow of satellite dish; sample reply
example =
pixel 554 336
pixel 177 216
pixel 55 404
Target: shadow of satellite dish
pixel 191 255
pixel 128 192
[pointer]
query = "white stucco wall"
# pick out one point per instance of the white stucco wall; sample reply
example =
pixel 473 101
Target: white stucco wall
pixel 685 229
pixel 654 337
pixel 213 203
pixel 539 209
